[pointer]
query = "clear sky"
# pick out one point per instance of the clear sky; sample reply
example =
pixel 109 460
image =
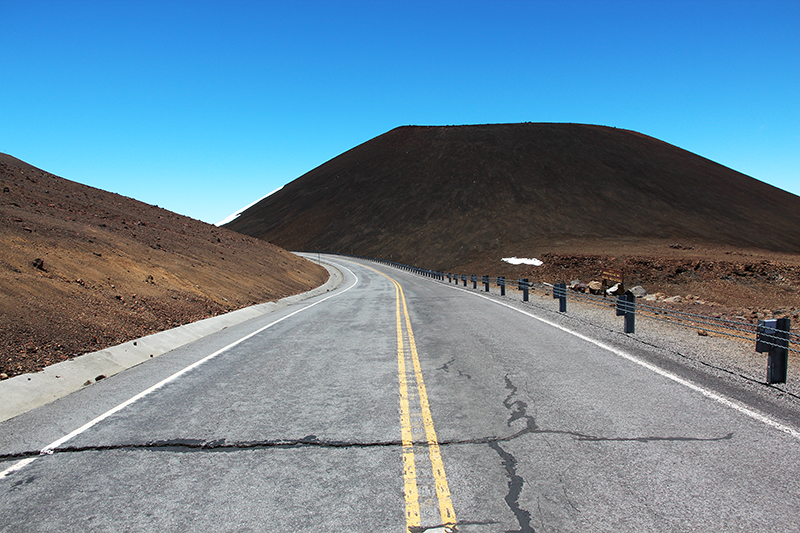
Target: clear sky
pixel 202 107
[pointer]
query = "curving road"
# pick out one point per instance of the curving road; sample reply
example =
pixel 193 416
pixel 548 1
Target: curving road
pixel 396 403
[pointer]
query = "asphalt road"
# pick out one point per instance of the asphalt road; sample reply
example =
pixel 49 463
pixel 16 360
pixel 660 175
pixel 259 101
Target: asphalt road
pixel 398 403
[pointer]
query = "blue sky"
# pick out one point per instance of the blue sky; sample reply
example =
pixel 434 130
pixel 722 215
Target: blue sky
pixel 203 107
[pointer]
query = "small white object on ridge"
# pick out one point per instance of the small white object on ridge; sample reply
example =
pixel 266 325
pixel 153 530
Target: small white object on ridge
pixel 522 261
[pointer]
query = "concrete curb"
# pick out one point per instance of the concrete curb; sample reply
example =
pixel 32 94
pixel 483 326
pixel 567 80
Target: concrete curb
pixel 26 392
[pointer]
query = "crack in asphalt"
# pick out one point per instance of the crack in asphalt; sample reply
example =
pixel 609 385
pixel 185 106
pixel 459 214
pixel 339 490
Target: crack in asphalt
pixel 442 527
pixel 519 411
pixel 446 368
pixel 222 445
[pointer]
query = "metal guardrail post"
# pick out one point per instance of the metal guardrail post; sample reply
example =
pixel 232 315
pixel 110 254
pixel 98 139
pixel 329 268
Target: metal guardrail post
pixel 560 293
pixel 501 282
pixel 474 280
pixel 626 307
pixel 464 279
pixel 485 281
pixel 773 336
pixel 524 285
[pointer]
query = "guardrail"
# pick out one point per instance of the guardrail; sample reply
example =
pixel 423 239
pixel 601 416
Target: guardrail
pixel 771 336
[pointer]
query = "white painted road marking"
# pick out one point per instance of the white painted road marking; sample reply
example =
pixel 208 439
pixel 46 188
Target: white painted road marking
pixel 755 415
pixel 47 450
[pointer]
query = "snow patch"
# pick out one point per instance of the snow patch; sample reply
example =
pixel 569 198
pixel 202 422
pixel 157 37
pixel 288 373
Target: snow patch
pixel 234 216
pixel 523 261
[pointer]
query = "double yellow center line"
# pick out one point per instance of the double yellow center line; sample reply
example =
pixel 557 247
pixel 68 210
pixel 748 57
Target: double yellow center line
pixel 415 415
pixel 409 370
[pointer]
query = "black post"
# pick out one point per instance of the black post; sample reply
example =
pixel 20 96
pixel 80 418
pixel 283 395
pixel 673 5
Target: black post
pixel 501 282
pixel 626 307
pixel 485 282
pixel 524 286
pixel 560 292
pixel 630 315
pixel 464 279
pixel 474 279
pixel 773 337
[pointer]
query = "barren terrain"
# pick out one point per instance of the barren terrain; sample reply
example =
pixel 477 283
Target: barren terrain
pixel 579 197
pixel 82 269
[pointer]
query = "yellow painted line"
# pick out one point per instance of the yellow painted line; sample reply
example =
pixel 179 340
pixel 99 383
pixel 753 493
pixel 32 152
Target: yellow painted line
pixel 409 463
pixel 446 509
pixel 442 488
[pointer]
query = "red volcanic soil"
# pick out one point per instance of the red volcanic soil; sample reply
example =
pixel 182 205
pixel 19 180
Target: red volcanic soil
pixel 579 197
pixel 82 269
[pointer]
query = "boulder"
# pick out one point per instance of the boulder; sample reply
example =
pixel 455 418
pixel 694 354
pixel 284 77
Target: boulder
pixel 577 286
pixel 639 291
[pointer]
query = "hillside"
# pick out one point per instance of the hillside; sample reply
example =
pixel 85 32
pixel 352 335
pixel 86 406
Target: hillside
pixel 82 269
pixel 460 198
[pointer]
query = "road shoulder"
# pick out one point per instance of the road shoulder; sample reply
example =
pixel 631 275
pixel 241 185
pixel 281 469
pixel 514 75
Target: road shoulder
pixel 26 392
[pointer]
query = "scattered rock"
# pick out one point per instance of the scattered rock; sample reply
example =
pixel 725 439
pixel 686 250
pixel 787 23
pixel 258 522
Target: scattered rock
pixel 673 300
pixel 702 333
pixel 88 382
pixel 38 263
pixel 4 375
pixel 613 290
pixel 101 376
pixel 595 287
pixel 639 291
pixel 577 286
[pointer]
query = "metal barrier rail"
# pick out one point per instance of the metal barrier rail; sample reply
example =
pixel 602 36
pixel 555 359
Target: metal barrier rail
pixel 773 336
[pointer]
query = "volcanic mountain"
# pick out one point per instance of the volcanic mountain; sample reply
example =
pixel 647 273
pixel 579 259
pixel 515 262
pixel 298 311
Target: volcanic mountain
pixel 444 197
pixel 82 269
pixel 580 197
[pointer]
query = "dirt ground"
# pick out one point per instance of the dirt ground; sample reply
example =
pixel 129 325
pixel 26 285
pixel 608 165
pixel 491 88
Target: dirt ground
pixel 82 269
pixel 718 281
pixel 581 198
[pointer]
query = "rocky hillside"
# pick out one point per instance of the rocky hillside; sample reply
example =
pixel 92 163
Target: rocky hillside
pixel 580 197
pixel 446 196
pixel 82 269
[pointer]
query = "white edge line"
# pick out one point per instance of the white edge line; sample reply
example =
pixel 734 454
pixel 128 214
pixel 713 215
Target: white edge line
pixel 660 371
pixel 47 450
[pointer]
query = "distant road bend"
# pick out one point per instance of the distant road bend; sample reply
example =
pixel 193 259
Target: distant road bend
pixel 396 403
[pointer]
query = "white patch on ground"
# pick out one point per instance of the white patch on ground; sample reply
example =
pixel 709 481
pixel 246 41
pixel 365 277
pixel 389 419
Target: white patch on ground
pixel 234 216
pixel 523 261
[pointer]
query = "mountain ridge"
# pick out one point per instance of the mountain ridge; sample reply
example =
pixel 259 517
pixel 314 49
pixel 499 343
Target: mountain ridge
pixel 82 269
pixel 515 187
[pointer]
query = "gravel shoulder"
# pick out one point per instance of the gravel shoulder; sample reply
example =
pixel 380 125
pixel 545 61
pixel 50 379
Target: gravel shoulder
pixel 726 365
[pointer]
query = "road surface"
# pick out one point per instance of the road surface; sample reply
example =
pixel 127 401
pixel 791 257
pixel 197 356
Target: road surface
pixel 397 403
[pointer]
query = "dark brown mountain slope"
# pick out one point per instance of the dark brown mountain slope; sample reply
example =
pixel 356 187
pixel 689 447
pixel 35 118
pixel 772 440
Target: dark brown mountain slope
pixel 443 197
pixel 579 197
pixel 113 269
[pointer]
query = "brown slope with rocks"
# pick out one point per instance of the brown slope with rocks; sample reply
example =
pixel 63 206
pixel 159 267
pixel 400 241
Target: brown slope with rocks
pixel 82 269
pixel 581 197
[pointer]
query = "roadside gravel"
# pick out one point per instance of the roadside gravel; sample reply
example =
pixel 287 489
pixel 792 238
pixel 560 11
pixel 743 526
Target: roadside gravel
pixel 728 365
